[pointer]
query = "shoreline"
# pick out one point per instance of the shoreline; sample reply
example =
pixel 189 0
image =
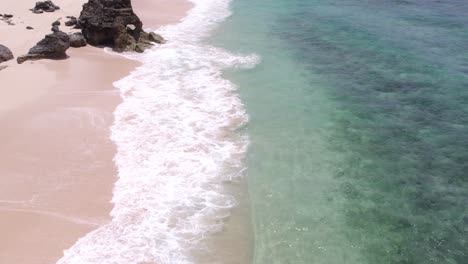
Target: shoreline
pixel 56 170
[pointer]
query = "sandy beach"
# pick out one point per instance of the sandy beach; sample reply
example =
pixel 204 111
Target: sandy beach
pixel 56 168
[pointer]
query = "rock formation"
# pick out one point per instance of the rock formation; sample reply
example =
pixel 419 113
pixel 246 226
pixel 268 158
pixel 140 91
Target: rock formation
pixel 5 54
pixel 153 37
pixel 77 40
pixel 110 23
pixel 72 21
pixel 55 26
pixel 7 19
pixel 53 46
pixel 113 23
pixel 46 6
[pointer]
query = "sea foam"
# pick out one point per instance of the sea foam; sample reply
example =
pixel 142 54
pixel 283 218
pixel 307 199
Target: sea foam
pixel 177 146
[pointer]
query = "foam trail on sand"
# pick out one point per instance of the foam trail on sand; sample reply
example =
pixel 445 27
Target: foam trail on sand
pixel 177 147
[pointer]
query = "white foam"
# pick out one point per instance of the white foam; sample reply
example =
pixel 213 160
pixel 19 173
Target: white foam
pixel 176 148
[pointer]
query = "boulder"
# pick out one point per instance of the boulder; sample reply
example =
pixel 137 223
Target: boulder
pixel 144 43
pixel 5 53
pixel 53 46
pixel 77 40
pixel 153 37
pixel 112 23
pixel 71 22
pixel 46 6
pixel 140 47
pixel 29 27
pixel 55 26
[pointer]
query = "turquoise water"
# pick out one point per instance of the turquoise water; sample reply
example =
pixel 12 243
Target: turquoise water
pixel 358 129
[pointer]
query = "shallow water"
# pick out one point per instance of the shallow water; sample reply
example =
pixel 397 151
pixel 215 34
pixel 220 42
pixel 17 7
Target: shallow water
pixel 358 123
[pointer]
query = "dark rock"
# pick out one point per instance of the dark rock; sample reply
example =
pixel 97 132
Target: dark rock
pixel 111 23
pixel 53 46
pixel 46 6
pixel 7 19
pixel 153 37
pixel 144 43
pixel 55 26
pixel 5 53
pixel 71 22
pixel 77 40
pixel 140 47
pixel 29 27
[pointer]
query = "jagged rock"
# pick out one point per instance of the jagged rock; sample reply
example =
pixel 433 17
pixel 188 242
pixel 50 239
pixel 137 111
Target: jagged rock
pixel 144 43
pixel 46 6
pixel 5 53
pixel 140 47
pixel 53 46
pixel 71 22
pixel 112 23
pixel 55 26
pixel 77 40
pixel 153 37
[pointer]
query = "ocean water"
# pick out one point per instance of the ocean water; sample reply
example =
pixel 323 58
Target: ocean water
pixel 358 129
pixel 347 118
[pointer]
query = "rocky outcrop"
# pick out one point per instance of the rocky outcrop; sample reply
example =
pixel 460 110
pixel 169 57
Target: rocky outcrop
pixel 5 54
pixel 77 40
pixel 53 46
pixel 110 23
pixel 46 6
pixel 113 23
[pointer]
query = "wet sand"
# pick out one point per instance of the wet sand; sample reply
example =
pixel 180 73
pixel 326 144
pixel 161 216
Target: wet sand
pixel 56 168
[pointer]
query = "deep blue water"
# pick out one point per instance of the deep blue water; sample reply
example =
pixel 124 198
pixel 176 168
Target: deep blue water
pixel 359 129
